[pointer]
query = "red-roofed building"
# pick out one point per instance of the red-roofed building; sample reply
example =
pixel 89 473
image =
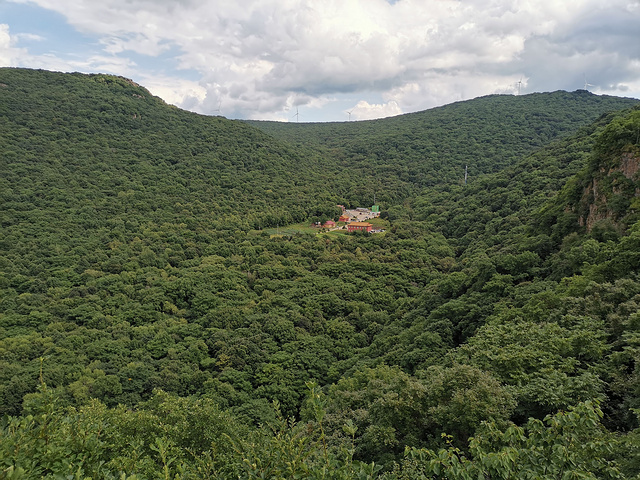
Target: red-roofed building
pixel 359 227
pixel 329 224
pixel 344 218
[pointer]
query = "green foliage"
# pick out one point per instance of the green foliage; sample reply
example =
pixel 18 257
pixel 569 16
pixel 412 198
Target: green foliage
pixel 392 410
pixel 567 445
pixel 167 437
pixel 621 134
pixel 139 282
pixel 540 361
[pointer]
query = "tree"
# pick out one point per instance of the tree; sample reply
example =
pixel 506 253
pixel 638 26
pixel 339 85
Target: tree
pixel 567 445
pixel 541 362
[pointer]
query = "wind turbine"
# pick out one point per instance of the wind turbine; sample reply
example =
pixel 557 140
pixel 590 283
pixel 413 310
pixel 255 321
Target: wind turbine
pixel 519 84
pixel 349 114
pixel 297 115
pixel 586 84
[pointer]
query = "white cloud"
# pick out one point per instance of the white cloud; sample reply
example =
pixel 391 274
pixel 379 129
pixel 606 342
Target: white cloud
pixel 365 111
pixel 186 94
pixel 260 58
pixel 29 37
pixel 138 43
pixel 9 54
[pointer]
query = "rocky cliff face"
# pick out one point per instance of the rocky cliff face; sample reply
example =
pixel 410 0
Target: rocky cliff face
pixel 604 198
pixel 611 182
pixel 609 191
pixel 630 165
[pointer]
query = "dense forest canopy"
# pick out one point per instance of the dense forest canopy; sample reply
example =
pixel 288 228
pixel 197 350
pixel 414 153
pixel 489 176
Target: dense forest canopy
pixel 157 319
pixel 432 148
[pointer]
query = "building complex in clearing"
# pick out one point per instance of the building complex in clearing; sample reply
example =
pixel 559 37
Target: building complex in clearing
pixel 359 227
pixel 354 219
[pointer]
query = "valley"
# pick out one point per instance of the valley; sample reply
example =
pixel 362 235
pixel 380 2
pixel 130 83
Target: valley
pixel 167 309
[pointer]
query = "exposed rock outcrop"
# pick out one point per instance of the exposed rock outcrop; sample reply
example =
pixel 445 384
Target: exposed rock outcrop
pixel 621 181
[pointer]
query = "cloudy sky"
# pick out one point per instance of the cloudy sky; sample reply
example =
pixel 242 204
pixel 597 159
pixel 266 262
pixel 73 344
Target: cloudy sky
pixel 331 60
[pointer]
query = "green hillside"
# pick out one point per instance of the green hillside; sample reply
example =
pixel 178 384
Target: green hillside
pixel 151 326
pixel 432 148
pixel 104 144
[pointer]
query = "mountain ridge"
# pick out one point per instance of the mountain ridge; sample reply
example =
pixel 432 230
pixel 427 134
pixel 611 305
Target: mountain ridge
pixel 434 146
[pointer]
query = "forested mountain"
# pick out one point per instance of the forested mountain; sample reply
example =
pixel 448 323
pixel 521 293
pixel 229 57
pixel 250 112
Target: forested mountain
pixel 152 327
pixel 432 148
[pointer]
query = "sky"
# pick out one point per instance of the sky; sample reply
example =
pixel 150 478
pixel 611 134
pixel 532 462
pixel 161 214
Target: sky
pixel 331 60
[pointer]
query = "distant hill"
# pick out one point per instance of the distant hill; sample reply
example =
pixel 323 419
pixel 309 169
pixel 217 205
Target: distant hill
pixel 117 145
pixel 106 146
pixel 433 147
